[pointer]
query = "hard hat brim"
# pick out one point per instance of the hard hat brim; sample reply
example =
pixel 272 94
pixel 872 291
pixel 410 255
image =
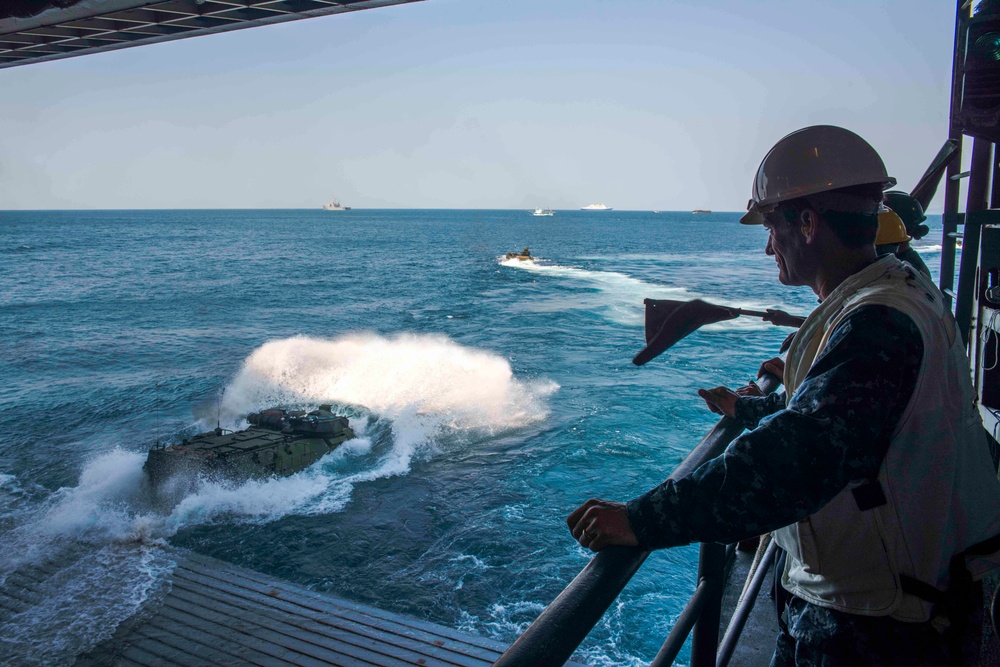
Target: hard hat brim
pixel 755 216
pixel 752 217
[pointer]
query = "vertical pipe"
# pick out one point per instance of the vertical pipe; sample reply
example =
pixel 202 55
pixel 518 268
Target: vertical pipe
pixel 682 626
pixel 979 192
pixel 995 184
pixel 949 223
pixel 952 187
pixel 705 637
pixel 979 176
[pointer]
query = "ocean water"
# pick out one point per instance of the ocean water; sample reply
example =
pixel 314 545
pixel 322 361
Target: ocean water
pixel 490 398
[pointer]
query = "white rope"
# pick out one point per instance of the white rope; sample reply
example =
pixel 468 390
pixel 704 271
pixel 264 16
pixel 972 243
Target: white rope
pixel 988 331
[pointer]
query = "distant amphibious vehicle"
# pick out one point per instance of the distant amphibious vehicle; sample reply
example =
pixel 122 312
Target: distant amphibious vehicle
pixel 524 254
pixel 277 442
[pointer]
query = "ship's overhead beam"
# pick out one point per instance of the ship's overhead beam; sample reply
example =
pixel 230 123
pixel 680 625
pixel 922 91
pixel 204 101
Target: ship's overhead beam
pixel 32 31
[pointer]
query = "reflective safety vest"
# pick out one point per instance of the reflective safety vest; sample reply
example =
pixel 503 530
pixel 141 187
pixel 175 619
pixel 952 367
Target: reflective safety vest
pixel 937 491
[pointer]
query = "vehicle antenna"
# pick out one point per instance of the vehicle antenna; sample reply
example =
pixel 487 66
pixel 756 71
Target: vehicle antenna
pixel 156 411
pixel 218 410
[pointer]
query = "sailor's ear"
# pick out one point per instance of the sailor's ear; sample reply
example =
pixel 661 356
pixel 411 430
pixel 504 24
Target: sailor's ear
pixel 809 224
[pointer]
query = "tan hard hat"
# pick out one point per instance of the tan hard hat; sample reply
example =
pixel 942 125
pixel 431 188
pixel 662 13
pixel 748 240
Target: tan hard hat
pixel 890 227
pixel 812 160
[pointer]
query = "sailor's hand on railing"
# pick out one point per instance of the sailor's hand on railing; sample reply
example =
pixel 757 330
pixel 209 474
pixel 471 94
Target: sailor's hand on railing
pixel 721 400
pixel 600 523
pixel 775 366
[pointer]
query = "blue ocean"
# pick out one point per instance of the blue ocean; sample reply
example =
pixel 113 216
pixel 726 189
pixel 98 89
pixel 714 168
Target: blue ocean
pixel 490 398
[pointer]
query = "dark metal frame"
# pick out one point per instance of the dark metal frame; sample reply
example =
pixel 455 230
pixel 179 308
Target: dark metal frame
pixel 106 25
pixel 981 206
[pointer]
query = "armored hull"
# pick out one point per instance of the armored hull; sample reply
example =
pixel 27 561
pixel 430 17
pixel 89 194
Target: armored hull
pixel 277 443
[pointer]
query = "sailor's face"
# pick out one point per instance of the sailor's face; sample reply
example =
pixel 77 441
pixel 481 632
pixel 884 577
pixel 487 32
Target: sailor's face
pixel 785 243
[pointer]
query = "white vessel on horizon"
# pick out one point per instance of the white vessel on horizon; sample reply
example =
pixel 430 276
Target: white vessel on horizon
pixel 543 211
pixel 335 206
pixel 596 207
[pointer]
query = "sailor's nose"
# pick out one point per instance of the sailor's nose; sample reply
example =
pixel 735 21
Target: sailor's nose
pixel 768 250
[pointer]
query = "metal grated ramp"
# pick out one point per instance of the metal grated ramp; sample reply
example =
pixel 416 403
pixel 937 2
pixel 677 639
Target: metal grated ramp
pixel 220 614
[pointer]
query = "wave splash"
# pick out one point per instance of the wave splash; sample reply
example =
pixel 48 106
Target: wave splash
pixel 93 550
pixel 408 374
pixel 409 397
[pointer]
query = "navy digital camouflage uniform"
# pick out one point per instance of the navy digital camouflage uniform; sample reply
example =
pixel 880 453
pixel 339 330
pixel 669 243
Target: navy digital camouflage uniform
pixel 835 430
pixel 913 257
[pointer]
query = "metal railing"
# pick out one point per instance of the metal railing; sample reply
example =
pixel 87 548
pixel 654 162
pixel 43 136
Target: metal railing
pixel 565 623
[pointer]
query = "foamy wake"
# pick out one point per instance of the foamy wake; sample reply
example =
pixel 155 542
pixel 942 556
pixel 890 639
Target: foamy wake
pixel 619 297
pixel 96 543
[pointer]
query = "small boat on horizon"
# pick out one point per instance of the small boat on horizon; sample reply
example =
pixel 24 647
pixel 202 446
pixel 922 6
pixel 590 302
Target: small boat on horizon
pixel 543 211
pixel 700 210
pixel 596 207
pixel 335 206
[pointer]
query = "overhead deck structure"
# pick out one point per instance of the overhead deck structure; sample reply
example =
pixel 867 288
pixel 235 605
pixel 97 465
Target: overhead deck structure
pixel 34 31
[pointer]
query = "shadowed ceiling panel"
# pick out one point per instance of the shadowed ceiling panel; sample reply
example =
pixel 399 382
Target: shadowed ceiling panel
pixel 38 30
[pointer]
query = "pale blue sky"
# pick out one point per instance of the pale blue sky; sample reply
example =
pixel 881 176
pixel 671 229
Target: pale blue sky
pixel 641 104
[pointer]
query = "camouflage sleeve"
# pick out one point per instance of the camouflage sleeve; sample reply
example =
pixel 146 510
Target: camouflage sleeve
pixel 751 409
pixel 910 255
pixel 836 429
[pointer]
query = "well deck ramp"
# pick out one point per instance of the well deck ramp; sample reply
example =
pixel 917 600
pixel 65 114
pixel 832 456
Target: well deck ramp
pixel 216 613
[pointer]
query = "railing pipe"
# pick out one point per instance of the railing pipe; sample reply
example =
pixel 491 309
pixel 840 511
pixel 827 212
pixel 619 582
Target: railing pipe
pixel 739 619
pixel 685 622
pixel 705 639
pixel 566 622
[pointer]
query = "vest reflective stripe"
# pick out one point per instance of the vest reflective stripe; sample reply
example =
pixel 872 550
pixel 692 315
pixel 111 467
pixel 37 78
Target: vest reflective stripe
pixel 941 489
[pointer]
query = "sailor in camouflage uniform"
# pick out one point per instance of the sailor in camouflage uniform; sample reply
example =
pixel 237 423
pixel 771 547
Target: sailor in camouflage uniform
pixel 873 471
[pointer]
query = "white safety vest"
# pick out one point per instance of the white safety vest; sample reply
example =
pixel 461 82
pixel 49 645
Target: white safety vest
pixel 940 488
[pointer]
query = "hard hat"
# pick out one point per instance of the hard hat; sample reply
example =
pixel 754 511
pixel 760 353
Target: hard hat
pixel 811 160
pixel 890 228
pixel 909 210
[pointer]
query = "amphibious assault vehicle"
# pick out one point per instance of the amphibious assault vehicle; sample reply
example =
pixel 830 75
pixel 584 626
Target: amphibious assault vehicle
pixel 277 442
pixel 524 254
